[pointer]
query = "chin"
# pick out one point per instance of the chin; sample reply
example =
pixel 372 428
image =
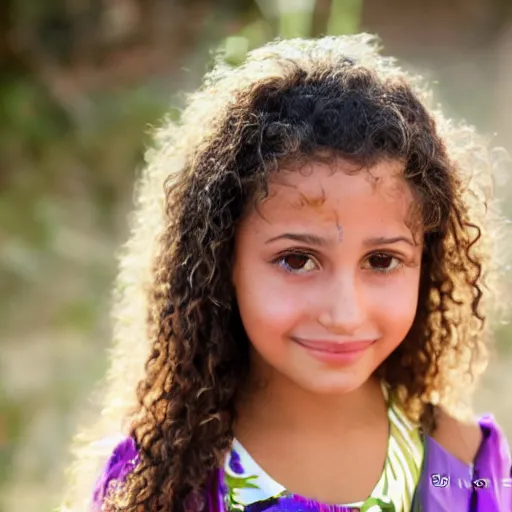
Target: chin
pixel 334 384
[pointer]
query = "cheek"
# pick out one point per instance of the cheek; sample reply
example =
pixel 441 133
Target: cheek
pixel 395 306
pixel 268 309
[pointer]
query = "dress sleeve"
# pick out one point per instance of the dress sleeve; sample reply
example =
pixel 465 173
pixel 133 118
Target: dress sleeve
pixel 449 485
pixel 492 470
pixel 123 459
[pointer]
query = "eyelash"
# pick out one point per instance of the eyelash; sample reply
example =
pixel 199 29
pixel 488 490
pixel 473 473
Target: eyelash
pixel 280 261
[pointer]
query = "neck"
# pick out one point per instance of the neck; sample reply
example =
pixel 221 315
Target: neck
pixel 281 405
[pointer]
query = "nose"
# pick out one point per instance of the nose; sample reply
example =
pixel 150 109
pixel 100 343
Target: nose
pixel 344 309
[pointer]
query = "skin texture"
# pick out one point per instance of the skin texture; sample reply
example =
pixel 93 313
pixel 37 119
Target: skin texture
pixel 347 288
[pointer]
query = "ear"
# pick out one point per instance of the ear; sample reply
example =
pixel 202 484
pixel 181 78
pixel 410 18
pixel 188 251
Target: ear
pixel 461 439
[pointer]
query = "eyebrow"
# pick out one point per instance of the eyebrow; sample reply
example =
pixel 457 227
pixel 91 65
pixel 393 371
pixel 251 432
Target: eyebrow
pixel 311 239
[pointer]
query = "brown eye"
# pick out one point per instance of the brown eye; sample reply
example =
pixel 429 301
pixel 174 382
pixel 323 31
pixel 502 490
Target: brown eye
pixel 296 263
pixel 381 262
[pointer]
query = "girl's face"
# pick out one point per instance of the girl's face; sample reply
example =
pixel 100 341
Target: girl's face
pixel 327 274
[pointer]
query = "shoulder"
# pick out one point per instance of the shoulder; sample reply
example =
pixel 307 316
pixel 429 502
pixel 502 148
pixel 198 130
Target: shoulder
pixel 460 438
pixel 121 461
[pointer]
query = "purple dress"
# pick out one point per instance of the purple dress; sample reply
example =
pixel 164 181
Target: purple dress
pixel 446 484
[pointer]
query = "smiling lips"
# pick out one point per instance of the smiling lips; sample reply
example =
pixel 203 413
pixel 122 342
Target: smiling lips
pixel 332 347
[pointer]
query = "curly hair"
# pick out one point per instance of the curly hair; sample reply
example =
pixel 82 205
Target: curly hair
pixel 292 100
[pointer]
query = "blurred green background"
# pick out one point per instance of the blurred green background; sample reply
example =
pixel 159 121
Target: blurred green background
pixel 81 84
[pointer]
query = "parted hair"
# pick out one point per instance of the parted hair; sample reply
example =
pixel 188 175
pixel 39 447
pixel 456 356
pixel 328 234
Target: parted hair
pixel 180 358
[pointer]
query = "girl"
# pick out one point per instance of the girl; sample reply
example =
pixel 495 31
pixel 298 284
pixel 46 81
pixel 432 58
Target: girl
pixel 314 299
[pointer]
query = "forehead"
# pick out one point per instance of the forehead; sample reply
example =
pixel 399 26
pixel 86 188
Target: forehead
pixel 336 199
pixel 319 187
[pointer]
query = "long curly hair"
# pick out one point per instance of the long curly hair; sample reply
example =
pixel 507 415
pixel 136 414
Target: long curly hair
pixel 178 331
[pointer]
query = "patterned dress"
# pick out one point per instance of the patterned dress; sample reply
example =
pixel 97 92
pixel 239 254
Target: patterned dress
pixel 248 488
pixel 445 483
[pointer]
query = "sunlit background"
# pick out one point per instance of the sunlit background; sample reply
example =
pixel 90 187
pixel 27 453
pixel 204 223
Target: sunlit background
pixel 81 84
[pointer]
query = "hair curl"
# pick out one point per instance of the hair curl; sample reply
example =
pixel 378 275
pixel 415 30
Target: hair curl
pixel 289 100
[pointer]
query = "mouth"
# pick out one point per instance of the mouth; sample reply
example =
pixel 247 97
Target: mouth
pixel 334 347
